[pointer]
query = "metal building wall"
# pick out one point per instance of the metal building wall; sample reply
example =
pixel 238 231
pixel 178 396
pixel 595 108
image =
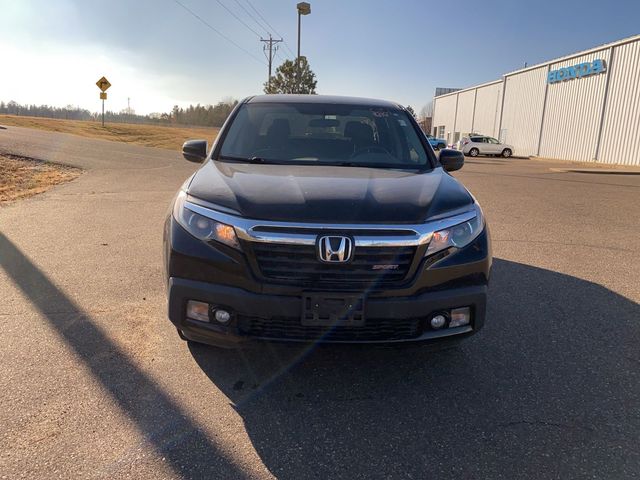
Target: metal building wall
pixel 573 111
pixel 487 111
pixel 444 113
pixel 522 110
pixel 620 141
pixel 464 118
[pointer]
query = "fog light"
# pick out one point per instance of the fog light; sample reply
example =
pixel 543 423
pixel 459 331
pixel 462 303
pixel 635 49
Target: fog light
pixel 460 317
pixel 438 321
pixel 198 311
pixel 222 316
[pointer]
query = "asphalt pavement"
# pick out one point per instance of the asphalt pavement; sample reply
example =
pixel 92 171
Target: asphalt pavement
pixel 95 382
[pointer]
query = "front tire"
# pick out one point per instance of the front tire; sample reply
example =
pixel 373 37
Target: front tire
pixel 506 153
pixel 474 152
pixel 441 146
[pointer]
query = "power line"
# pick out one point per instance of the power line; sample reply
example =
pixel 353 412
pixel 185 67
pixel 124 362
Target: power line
pixel 289 48
pixel 270 26
pixel 208 25
pixel 260 25
pixel 263 19
pixel 237 18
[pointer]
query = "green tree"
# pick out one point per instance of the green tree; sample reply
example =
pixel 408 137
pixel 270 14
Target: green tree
pixel 285 80
pixel 411 111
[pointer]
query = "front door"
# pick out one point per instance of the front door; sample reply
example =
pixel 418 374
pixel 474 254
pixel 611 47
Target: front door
pixel 492 146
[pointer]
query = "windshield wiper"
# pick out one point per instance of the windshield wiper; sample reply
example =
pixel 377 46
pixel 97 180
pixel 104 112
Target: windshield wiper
pixel 243 159
pixel 365 165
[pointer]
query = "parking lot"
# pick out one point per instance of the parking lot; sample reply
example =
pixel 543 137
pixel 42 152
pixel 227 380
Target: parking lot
pixel 96 383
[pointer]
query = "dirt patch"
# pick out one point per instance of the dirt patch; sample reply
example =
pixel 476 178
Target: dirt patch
pixel 24 177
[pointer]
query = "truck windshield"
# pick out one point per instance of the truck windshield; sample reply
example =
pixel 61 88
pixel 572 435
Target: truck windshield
pixel 325 134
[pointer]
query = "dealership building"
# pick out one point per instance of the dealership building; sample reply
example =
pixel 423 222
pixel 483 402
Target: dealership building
pixel 584 106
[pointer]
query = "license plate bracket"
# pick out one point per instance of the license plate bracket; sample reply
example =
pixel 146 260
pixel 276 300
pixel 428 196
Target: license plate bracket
pixel 332 309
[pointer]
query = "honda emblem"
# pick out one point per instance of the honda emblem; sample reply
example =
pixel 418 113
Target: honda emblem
pixel 335 249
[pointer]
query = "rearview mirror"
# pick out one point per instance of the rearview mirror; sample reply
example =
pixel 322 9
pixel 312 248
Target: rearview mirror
pixel 451 159
pixel 194 150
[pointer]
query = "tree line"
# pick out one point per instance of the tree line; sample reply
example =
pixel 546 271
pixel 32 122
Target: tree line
pixel 204 115
pixel 197 115
pixel 69 112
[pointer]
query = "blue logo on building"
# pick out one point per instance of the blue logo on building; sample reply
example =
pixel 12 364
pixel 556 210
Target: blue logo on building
pixel 577 71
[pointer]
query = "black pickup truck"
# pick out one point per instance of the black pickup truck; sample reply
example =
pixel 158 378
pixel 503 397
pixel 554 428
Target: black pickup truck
pixel 324 219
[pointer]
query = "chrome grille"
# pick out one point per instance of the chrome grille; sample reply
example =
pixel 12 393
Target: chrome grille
pixel 300 264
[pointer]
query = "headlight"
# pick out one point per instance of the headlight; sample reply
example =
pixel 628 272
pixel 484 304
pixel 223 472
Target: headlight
pixel 203 227
pixel 457 236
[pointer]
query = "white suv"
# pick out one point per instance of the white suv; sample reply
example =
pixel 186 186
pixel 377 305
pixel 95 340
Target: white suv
pixel 475 145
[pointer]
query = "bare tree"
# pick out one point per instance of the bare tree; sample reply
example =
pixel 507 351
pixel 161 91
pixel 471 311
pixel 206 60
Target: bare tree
pixel 427 110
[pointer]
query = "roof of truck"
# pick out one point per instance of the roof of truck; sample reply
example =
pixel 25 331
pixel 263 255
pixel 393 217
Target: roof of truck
pixel 327 99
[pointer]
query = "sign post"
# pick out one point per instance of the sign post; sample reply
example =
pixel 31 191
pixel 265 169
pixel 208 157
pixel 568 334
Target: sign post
pixel 103 84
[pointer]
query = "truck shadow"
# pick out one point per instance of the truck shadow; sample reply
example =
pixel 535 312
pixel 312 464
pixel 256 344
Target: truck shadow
pixel 547 389
pixel 165 426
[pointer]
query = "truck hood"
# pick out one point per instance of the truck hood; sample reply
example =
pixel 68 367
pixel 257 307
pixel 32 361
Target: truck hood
pixel 328 194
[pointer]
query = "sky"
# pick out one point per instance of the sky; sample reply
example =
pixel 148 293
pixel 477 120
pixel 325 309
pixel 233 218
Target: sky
pixel 159 55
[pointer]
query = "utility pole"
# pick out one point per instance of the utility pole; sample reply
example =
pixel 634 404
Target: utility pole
pixel 270 46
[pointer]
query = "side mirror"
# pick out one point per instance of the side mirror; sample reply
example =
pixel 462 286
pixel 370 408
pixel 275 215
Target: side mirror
pixel 194 150
pixel 451 159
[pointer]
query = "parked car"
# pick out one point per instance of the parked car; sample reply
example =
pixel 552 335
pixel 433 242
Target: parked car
pixel 482 145
pixel 437 143
pixel 324 219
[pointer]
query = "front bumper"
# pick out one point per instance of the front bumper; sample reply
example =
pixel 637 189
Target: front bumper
pixel 249 307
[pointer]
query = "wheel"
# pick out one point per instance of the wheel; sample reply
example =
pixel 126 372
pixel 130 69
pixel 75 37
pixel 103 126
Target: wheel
pixel 441 146
pixel 506 153
pixel 474 152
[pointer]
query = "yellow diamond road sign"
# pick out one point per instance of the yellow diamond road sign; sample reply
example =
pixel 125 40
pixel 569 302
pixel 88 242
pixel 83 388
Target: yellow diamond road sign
pixel 103 84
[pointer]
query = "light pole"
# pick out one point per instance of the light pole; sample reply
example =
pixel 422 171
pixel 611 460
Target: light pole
pixel 304 8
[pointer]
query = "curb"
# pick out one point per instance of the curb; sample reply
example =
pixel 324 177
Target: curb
pixel 596 170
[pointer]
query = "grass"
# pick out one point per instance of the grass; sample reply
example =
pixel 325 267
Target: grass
pixel 24 177
pixel 148 135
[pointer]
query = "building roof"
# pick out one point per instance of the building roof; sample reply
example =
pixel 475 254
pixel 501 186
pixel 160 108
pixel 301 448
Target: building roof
pixel 462 90
pixel 604 46
pixel 622 41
